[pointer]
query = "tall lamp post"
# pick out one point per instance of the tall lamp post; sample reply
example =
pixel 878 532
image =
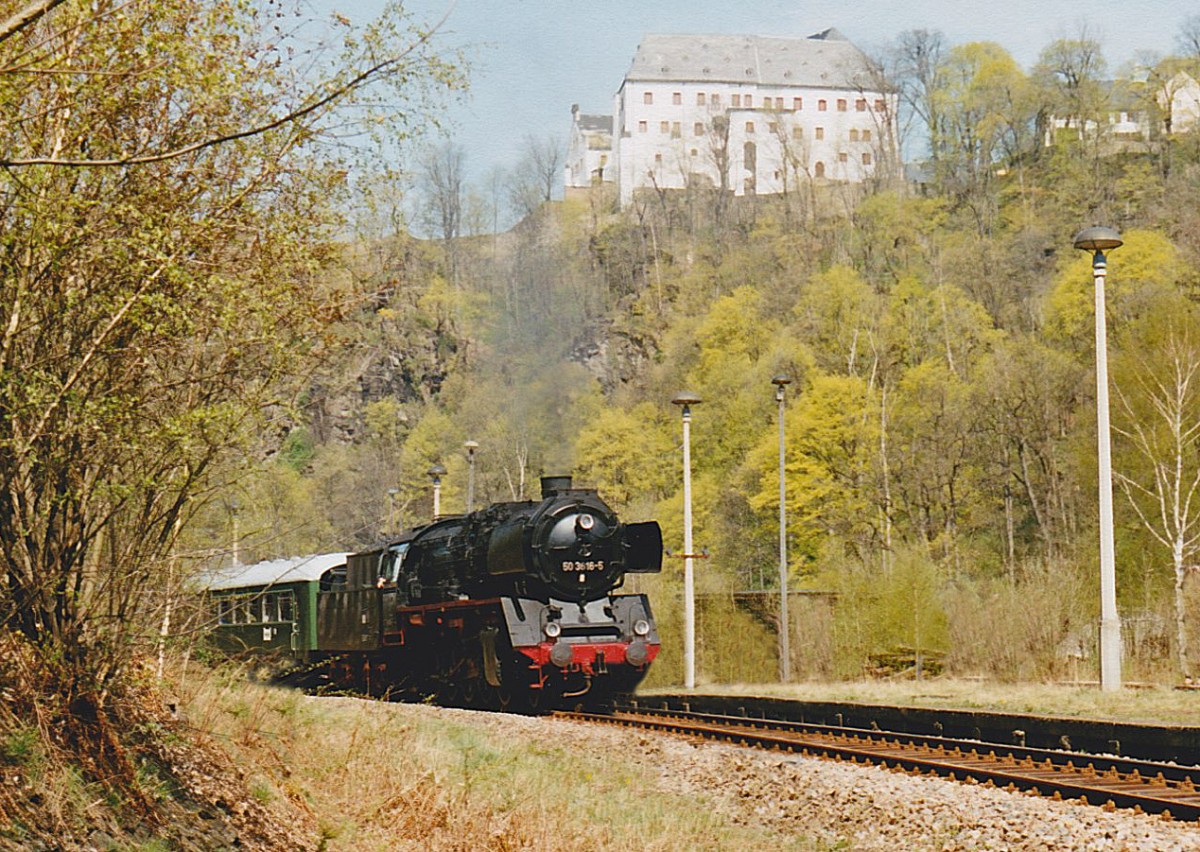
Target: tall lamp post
pixel 393 494
pixel 685 400
pixel 785 656
pixel 436 473
pixel 1099 240
pixel 471 447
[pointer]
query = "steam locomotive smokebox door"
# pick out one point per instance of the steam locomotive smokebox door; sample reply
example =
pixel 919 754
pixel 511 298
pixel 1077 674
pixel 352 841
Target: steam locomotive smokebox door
pixel 644 548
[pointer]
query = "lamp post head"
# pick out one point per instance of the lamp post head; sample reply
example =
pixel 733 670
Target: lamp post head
pixel 471 447
pixel 1097 239
pixel 685 400
pixel 393 492
pixel 780 381
pixel 436 473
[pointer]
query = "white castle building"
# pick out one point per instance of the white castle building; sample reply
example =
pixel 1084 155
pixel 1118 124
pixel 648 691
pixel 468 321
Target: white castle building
pixel 750 114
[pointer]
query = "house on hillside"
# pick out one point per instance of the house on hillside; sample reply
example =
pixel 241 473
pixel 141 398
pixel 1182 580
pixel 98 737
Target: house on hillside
pixel 589 150
pixel 748 114
pixel 1130 115
pixel 1180 103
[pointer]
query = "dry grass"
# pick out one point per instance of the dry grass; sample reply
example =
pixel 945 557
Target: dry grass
pixel 382 776
pixel 1149 705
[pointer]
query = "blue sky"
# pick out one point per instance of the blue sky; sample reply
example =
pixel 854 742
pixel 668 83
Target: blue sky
pixel 532 59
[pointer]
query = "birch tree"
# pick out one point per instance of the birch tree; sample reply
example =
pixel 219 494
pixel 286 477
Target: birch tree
pixel 1157 422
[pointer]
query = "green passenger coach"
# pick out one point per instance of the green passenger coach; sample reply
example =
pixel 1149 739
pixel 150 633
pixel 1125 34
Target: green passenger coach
pixel 271 607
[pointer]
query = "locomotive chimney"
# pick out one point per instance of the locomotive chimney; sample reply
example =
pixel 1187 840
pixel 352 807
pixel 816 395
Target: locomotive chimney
pixel 552 485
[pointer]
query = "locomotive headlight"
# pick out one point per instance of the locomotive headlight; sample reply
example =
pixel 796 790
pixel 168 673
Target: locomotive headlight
pixel 586 522
pixel 552 629
pixel 641 627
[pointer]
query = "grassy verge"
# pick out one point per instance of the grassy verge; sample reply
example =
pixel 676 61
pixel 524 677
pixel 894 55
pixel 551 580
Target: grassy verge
pixel 385 776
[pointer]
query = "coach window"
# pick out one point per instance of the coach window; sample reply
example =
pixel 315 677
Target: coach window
pixel 287 608
pixel 224 611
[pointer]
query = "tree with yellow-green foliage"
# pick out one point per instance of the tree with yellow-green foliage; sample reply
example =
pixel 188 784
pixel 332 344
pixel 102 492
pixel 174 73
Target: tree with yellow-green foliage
pixel 165 209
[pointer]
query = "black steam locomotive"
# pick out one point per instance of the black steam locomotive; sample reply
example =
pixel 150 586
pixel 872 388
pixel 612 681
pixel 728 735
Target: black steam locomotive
pixel 510 606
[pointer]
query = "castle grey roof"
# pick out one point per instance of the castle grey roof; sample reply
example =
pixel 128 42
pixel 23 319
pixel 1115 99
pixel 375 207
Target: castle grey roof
pixel 823 60
pixel 595 123
pixel 272 572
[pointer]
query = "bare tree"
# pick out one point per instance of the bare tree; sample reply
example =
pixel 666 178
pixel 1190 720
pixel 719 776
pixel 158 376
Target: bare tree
pixel 442 182
pixel 537 175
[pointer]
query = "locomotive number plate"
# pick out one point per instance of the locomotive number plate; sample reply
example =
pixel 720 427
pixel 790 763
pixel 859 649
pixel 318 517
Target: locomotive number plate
pixel 582 567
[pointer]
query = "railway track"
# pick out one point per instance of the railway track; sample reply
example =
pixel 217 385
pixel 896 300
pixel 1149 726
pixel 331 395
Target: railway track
pixel 1112 782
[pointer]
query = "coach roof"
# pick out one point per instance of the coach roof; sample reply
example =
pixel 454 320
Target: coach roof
pixel 823 60
pixel 295 569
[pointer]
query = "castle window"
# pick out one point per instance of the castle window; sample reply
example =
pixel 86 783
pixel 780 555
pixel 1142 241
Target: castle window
pixel 648 97
pixel 642 127
pixel 853 134
pixel 820 132
pixel 866 158
pixel 842 157
pixel 819 170
pixel 861 104
pixel 716 98
pixel 677 98
pixel 749 126
pixel 664 127
pixel 773 127
pixel 675 131
pixel 841 104
pixel 737 100
pixel 797 103
pixel 699 98
pixel 698 128
pixel 879 105
pixel 866 136
pixel 779 103
pixel 749 101
pixel 797 132
pixel 822 105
